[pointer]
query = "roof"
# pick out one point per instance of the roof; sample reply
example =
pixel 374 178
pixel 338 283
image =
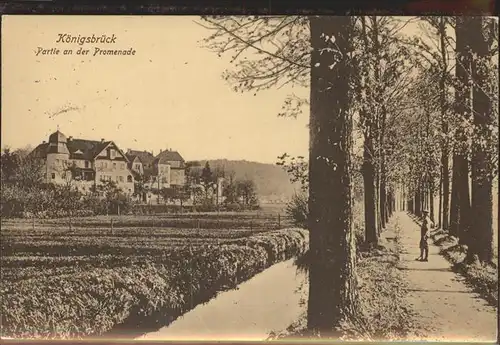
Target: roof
pixel 169 156
pixel 78 149
pixel 57 137
pixel 144 156
pixel 85 149
pixel 40 151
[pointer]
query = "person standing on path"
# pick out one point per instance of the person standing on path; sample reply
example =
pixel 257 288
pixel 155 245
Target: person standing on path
pixel 427 224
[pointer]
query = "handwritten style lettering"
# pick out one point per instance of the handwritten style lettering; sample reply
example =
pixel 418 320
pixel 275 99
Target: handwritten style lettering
pixel 68 38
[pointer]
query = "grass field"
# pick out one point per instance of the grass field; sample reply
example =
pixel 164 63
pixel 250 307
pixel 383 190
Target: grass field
pixel 62 283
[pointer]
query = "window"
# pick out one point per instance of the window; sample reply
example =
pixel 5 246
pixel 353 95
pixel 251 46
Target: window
pixel 129 178
pixel 137 167
pixel 114 165
pixel 164 179
pixel 87 164
pixel 122 166
pixel 121 178
pixel 112 153
pixel 53 176
pixel 105 165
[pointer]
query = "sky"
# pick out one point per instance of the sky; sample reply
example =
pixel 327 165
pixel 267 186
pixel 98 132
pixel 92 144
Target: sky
pixel 170 94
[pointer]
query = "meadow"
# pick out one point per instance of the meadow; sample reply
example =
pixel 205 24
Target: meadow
pixel 143 272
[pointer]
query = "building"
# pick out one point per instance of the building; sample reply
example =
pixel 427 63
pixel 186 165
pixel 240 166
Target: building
pixel 170 169
pixel 165 170
pixel 84 163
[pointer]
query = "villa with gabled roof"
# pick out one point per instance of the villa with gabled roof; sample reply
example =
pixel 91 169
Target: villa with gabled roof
pixel 86 163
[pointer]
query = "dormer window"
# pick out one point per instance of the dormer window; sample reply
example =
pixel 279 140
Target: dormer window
pixel 78 152
pixel 112 153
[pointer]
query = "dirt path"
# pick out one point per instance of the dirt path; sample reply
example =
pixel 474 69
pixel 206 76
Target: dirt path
pixel 449 307
pixel 268 302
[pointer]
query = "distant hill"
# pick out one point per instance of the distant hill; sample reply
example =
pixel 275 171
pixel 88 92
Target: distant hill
pixel 272 181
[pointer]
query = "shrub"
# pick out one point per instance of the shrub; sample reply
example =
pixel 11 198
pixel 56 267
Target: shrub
pixel 297 210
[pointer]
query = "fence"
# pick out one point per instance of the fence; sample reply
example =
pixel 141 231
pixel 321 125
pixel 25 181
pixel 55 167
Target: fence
pixel 251 220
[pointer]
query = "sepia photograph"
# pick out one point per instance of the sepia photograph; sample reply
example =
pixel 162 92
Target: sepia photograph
pixel 249 178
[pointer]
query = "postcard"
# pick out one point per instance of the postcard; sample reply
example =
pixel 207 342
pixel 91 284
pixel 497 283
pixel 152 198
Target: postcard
pixel 249 177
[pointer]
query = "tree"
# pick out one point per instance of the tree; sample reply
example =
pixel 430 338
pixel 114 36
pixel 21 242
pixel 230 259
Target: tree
pixel 208 180
pixel 434 61
pixel 230 192
pixel 460 211
pixel 176 193
pixel 21 168
pixel 382 71
pixel 182 194
pixel 10 164
pixel 332 280
pixel 168 194
pixel 480 241
pixel 114 198
pixel 139 186
pixel 297 169
pixel 369 160
pixel 29 172
pixel 245 189
pixel 445 155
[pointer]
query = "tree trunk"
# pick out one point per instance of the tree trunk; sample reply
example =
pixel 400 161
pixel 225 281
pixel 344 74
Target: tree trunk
pixel 481 239
pixel 332 279
pixel 463 198
pixel 440 211
pixel 378 217
pixel 444 124
pixel 422 200
pixel 380 126
pixel 403 208
pixel 431 202
pixel 446 182
pixel 462 105
pixel 455 204
pixel 368 168
pixel 382 203
pixel 371 234
pixel 418 201
pixel 389 203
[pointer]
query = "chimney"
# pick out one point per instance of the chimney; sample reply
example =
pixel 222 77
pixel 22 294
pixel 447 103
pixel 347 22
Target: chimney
pixel 161 150
pixel 70 138
pixel 43 142
pixel 102 140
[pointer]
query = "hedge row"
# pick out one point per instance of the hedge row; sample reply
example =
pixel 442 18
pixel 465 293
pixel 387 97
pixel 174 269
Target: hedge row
pixel 88 303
